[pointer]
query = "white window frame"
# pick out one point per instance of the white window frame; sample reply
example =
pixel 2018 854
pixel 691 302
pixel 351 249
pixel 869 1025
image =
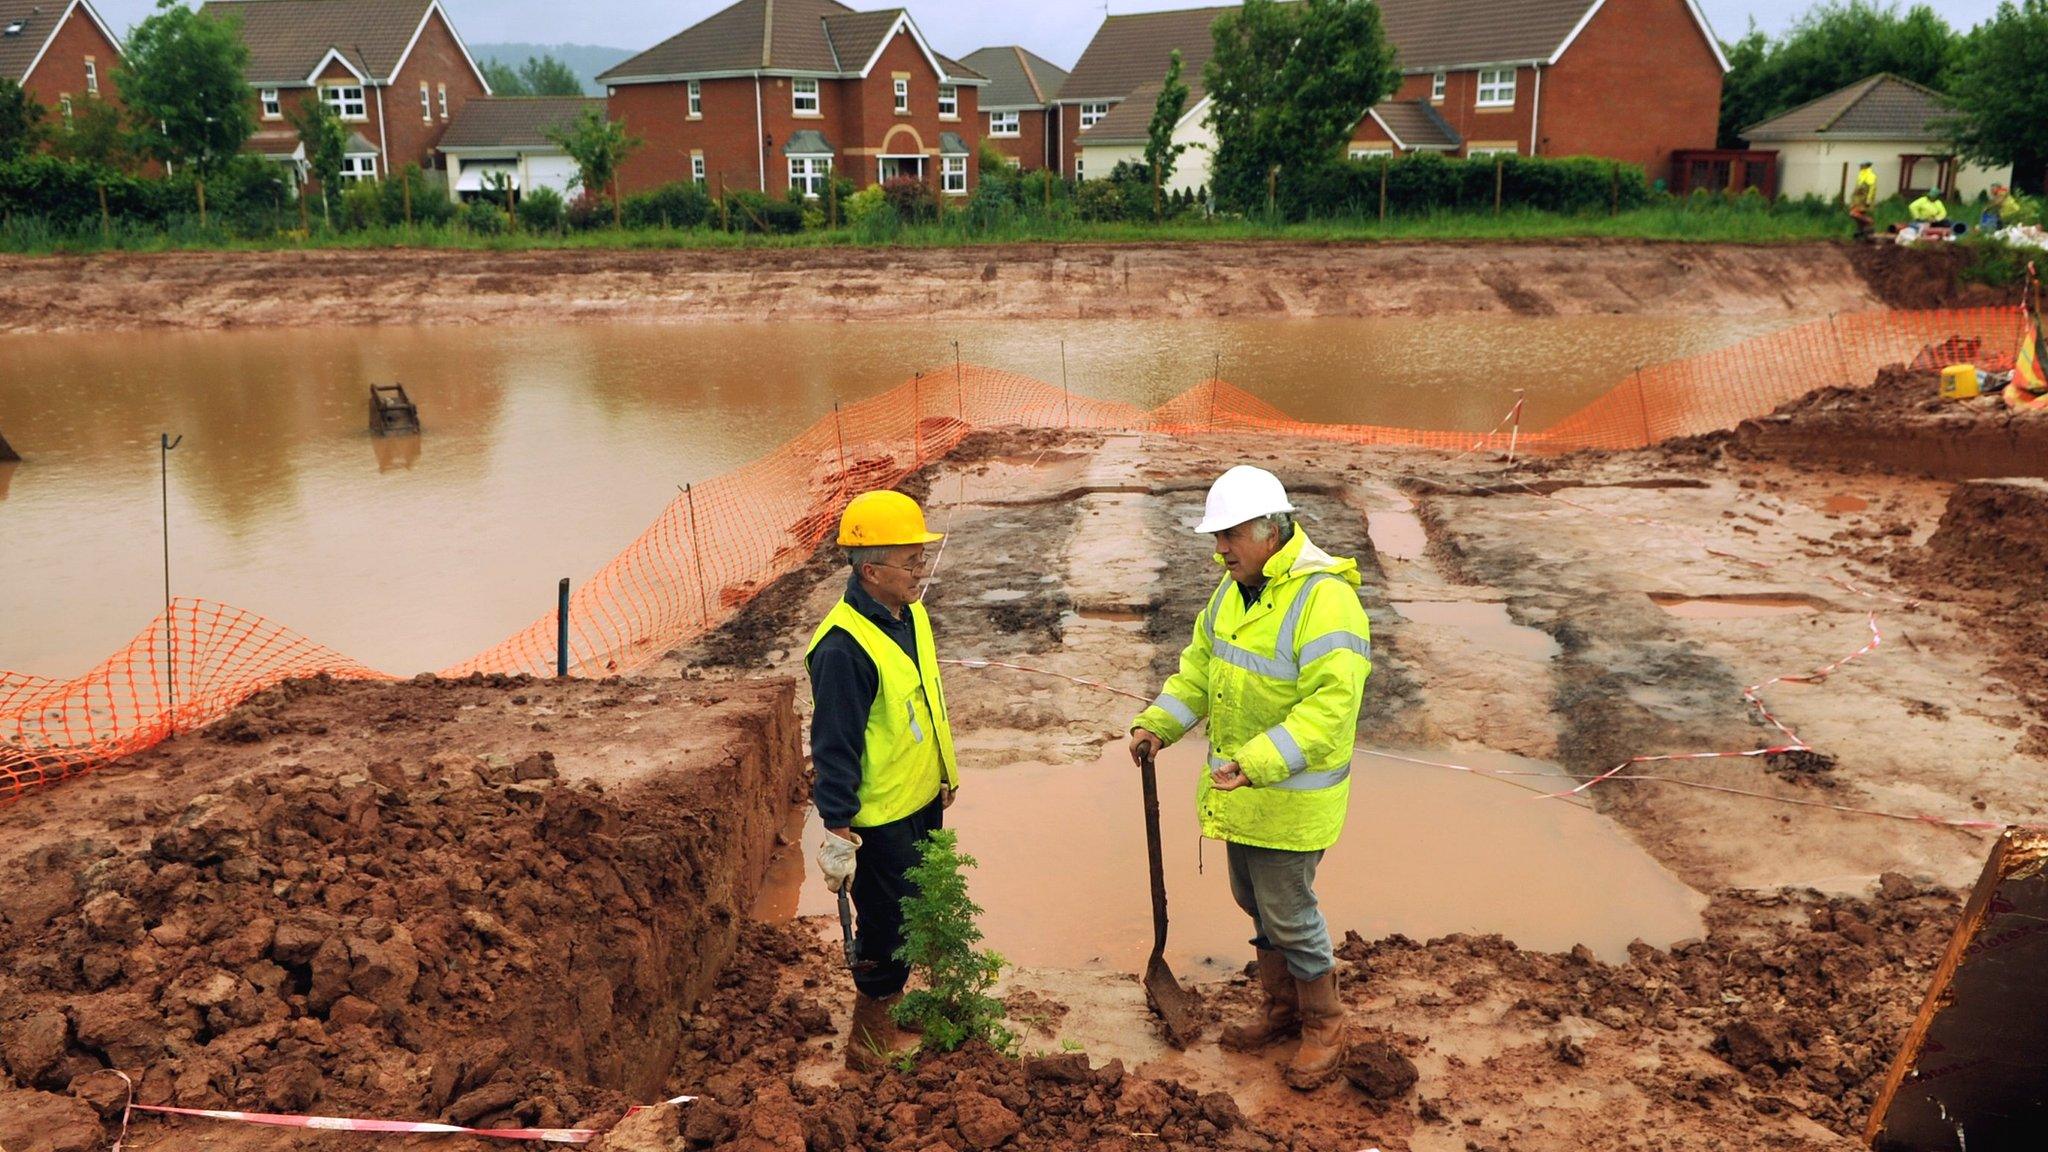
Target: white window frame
pixel 1092 114
pixel 64 108
pixel 797 97
pixel 337 98
pixel 949 101
pixel 1439 84
pixel 273 108
pixel 810 173
pixel 697 167
pixel 354 168
pixel 443 89
pixel 1078 177
pixel 1496 88
pixel 1492 150
pixel 92 77
pixel 1371 153
pixel 902 87
pixel 696 98
pixel 1005 123
pixel 426 104
pixel 951 169
pixel 1016 163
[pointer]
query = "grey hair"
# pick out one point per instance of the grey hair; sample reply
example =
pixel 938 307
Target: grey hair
pixel 1275 526
pixel 859 556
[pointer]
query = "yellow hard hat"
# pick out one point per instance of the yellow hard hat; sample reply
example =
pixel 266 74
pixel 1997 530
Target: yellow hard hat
pixel 883 519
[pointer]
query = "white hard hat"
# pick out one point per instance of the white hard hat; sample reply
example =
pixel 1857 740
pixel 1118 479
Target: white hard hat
pixel 1241 494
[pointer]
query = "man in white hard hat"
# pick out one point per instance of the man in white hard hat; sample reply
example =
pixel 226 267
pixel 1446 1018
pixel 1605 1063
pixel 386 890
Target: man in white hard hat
pixel 1277 665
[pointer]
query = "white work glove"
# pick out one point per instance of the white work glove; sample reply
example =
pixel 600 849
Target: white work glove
pixel 835 859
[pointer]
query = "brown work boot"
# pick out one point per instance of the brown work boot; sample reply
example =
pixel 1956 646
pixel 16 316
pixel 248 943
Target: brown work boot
pixel 1278 1017
pixel 874 1036
pixel 1322 1033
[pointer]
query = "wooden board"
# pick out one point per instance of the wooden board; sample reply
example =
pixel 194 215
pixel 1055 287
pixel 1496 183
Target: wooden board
pixel 1973 1071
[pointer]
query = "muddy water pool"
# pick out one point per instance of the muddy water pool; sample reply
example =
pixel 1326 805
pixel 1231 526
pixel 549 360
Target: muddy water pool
pixel 547 449
pixel 1426 852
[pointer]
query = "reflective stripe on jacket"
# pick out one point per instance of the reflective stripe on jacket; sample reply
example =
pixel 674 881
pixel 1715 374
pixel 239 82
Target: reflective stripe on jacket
pixel 909 741
pixel 1280 683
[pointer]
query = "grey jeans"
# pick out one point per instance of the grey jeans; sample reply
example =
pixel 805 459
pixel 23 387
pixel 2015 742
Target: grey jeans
pixel 1277 889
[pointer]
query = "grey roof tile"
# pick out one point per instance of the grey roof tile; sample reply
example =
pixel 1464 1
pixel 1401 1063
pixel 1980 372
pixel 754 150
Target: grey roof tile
pixel 1130 50
pixel 770 35
pixel 807 142
pixel 1417 125
pixel 1016 78
pixel 38 20
pixel 1129 122
pixel 1876 107
pixel 951 144
pixel 287 39
pixel 514 121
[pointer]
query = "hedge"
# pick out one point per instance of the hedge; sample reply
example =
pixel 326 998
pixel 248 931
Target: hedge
pixel 1423 182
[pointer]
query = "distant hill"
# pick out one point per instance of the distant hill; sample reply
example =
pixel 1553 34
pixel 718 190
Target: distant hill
pixel 586 60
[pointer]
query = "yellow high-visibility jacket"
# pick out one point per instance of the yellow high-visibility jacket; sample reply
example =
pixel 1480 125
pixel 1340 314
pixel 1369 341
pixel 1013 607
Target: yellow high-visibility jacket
pixel 908 752
pixel 1280 683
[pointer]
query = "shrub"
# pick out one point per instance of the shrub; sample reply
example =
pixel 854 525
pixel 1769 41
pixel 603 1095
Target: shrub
pixel 430 203
pixel 939 938
pixel 587 212
pixel 911 198
pixel 682 204
pixel 752 211
pixel 864 205
pixel 1099 201
pixel 483 217
pixel 542 210
pixel 358 206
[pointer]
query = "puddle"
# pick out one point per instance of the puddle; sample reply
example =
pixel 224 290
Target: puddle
pixel 1736 606
pixel 1395 531
pixel 1127 619
pixel 1844 503
pixel 1426 852
pixel 1486 623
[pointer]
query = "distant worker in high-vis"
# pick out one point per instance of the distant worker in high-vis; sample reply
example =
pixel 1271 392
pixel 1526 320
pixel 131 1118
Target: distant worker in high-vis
pixel 1277 666
pixel 881 749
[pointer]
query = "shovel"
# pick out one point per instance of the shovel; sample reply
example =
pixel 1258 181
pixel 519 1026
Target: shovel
pixel 1177 1008
pixel 853 964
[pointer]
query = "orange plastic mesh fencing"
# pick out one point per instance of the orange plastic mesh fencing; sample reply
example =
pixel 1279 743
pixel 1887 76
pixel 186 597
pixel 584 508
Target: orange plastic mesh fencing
pixel 721 542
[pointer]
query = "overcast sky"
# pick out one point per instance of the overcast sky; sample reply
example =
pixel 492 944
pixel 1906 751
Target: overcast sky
pixel 1055 29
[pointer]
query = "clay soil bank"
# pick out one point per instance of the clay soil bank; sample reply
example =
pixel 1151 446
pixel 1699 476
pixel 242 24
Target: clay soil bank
pixel 199 290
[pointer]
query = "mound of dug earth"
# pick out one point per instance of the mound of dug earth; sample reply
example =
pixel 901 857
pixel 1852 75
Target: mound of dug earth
pixel 481 938
pixel 1900 423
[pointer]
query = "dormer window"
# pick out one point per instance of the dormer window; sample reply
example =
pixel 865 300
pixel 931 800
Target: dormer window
pixel 803 97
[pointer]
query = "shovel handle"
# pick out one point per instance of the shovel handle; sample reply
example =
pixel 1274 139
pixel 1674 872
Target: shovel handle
pixel 1149 775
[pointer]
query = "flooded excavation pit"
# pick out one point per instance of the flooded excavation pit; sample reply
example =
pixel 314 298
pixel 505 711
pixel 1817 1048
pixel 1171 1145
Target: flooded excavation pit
pixel 1738 605
pixel 1427 852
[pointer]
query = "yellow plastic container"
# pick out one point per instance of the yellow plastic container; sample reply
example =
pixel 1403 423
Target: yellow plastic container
pixel 1959 382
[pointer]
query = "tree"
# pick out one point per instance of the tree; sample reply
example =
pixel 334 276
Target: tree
pixel 325 139
pixel 21 122
pixel 599 146
pixel 538 76
pixel 1288 82
pixel 2000 88
pixel 1160 150
pixel 1832 46
pixel 182 78
pixel 96 135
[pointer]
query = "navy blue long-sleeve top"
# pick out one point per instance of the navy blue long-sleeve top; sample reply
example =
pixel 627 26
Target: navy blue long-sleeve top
pixel 844 681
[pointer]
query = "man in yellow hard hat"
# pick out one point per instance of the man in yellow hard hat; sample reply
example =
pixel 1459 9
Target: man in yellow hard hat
pixel 883 769
pixel 1277 666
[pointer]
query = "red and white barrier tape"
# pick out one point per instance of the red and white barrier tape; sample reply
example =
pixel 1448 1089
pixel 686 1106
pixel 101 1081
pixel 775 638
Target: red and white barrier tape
pixel 359 1124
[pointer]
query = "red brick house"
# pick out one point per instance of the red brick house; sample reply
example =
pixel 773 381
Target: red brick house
pixel 60 52
pixel 395 70
pixel 775 94
pixel 1632 80
pixel 1019 113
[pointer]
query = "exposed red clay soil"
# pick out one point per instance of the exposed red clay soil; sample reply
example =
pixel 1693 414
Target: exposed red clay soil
pixel 434 920
pixel 200 290
pixel 1925 276
pixel 1900 423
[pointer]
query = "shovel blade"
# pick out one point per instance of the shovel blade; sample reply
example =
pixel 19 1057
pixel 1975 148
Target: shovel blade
pixel 1178 1008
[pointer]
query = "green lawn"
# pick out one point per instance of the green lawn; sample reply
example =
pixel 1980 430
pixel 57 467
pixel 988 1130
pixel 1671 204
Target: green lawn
pixel 1677 222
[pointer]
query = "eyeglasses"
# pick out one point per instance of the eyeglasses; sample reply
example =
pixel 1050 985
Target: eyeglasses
pixel 923 562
